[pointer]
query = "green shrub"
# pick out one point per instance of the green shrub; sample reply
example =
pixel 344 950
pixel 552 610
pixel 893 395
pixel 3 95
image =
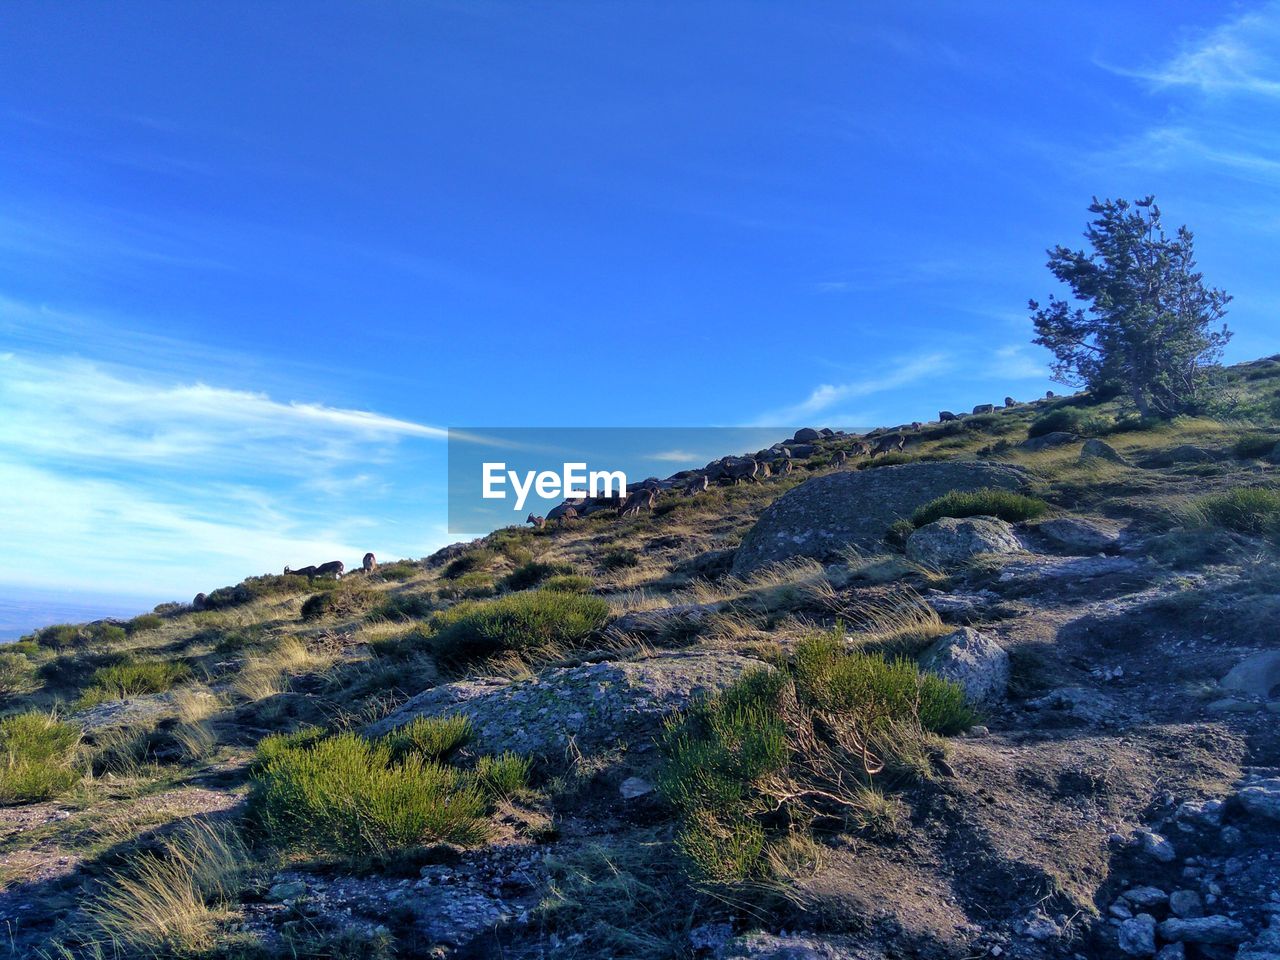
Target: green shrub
pixel 1070 420
pixel 980 503
pixel 896 535
pixel 38 757
pixel 344 603
pixel 469 562
pixel 143 622
pixel 346 796
pixel 888 460
pixel 431 738
pixel 17 674
pixel 124 680
pixel 1253 445
pixel 1251 510
pixel 504 776
pixel 569 583
pixel 63 635
pixel 405 606
pixel 531 623
pixel 533 573
pixel 470 586
pixel 619 558
pixel 397 572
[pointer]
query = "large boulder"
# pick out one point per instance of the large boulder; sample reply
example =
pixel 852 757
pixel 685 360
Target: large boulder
pixel 597 704
pixel 984 408
pixel 1255 676
pixel 825 515
pixel 973 660
pixel 806 435
pixel 953 541
pixel 1057 438
pixel 1079 536
pixel 1095 449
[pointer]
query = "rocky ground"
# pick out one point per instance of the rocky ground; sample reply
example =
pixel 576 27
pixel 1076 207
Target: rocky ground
pixel 1119 796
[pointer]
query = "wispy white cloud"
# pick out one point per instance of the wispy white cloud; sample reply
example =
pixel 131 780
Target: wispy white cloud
pixel 1018 361
pixel 1241 56
pixel 826 396
pixel 676 456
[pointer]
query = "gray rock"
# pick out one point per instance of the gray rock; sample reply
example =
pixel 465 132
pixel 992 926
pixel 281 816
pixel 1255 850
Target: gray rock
pixel 596 704
pixel 768 946
pixel 1255 676
pixel 1232 705
pixel 985 408
pixel 1146 897
pixel 652 621
pixel 1265 947
pixel 634 787
pixel 1138 936
pixel 1261 798
pixel 1217 929
pixel 823 516
pixel 1073 568
pixel 946 416
pixel 973 660
pixel 1186 903
pixel 1172 951
pixel 1082 703
pixel 286 890
pixel 1095 449
pixel 953 541
pixel 1078 535
pixel 1186 453
pixel 1055 439
pixel 806 435
pixel 802 451
pixel 1156 846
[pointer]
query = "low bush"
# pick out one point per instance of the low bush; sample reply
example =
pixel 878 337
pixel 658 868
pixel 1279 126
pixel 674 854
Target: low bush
pixel 896 535
pixel 343 603
pixel 143 622
pixel 405 606
pixel 347 796
pixel 431 738
pixel 64 635
pixel 533 573
pixel 1070 420
pixel 619 558
pixel 1004 504
pixel 888 460
pixel 469 586
pixel 471 561
pixel 536 623
pixel 1253 445
pixel 397 572
pixel 569 583
pixel 1251 510
pixel 39 757
pixel 504 776
pixel 791 745
pixel 124 680
pixel 17 674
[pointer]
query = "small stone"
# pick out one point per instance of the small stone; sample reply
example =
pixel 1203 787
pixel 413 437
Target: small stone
pixel 978 732
pixel 1156 846
pixel 1172 951
pixel 286 890
pixel 1119 910
pixel 1186 903
pixel 1261 799
pixel 1138 936
pixel 634 787
pixel 1146 897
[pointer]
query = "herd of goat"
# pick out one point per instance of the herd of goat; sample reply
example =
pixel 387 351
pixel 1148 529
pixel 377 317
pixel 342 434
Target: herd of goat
pixel 334 568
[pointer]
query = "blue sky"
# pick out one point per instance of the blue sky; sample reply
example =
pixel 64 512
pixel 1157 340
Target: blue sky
pixel 255 257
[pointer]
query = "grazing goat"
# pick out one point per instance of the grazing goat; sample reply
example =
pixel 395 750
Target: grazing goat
pixel 333 569
pixel 698 484
pixel 839 458
pixel 370 563
pixel 890 444
pixel 538 522
pixel 307 572
pixel 567 514
pixel 862 448
pixel 741 469
pixel 644 497
pixel 786 467
pixel 916 425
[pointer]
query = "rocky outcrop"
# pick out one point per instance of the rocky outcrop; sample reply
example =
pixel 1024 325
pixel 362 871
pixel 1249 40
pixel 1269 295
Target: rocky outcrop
pixel 825 515
pixel 1077 535
pixel 973 660
pixel 596 704
pixel 1055 439
pixel 1095 449
pixel 951 541
pixel 1254 676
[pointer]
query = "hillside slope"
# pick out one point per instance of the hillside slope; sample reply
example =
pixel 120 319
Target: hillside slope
pixel 1012 691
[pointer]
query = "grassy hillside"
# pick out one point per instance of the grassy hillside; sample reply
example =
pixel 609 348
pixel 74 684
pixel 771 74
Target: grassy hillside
pixel 592 740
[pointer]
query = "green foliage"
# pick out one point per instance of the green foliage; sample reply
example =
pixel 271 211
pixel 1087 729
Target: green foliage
pixel 1251 510
pixel 143 622
pixel 17 674
pixel 887 460
pixel 470 586
pixel 504 776
pixel 397 572
pixel 473 560
pixel 431 738
pixel 1253 445
pixel 1147 329
pixel 346 796
pixel 530 623
pixel 568 583
pixel 533 573
pixel 38 757
pixel 896 535
pixel 405 606
pixel 1071 420
pixel 64 635
pixel 123 680
pixel 619 558
pixel 1004 504
pixel 345 602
